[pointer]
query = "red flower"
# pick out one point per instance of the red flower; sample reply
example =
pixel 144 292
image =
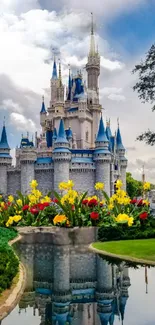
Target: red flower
pixel 134 201
pixel 92 202
pixel 55 200
pixel 25 207
pixel 73 207
pixel 5 207
pixel 85 202
pixel 143 215
pixel 46 204
pixel 34 210
pixel 94 215
pixel 140 203
pixel 41 206
pixel 9 203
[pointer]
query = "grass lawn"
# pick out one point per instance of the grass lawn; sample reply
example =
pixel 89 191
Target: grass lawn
pixel 142 249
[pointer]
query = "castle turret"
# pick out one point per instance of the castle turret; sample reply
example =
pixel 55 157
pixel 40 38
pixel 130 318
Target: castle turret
pixel 27 159
pixel 5 161
pixel 43 114
pixel 54 86
pixel 121 156
pixel 61 157
pixel 102 157
pixel 111 143
pixel 93 72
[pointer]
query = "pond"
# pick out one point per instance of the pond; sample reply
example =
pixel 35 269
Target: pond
pixel 71 285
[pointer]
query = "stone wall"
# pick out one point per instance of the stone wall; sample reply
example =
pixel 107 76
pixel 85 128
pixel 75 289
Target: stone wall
pixel 84 179
pixel 13 182
pixel 45 180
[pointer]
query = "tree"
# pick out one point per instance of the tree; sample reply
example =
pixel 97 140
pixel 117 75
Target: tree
pixel 134 188
pixel 146 88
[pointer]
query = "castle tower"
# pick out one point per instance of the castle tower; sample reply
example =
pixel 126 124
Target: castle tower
pixel 121 155
pixel 54 86
pixel 27 160
pixel 93 68
pixel 61 157
pixel 5 161
pixel 109 137
pixel 93 72
pixel 102 157
pixel 60 90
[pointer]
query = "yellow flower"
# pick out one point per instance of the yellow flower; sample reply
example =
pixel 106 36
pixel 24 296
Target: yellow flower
pixel 33 184
pixel 19 202
pixel 59 219
pixel 32 198
pixel 17 218
pixel 130 221
pixel 37 193
pixel 70 184
pixel 63 186
pixel 3 204
pixel 45 199
pixel 99 186
pixel 110 206
pixel 102 202
pixel 122 217
pixel 146 186
pixel 10 198
pixel 119 184
pixel 146 202
pixel 10 221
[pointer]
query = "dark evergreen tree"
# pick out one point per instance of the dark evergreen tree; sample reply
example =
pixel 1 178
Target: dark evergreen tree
pixel 146 88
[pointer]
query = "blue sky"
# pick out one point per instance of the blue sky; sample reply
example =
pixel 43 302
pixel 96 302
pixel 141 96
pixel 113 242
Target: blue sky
pixel 125 29
pixel 134 30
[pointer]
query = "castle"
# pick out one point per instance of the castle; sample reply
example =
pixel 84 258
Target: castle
pixel 74 143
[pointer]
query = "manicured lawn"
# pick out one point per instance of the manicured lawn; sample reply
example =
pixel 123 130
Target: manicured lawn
pixel 143 249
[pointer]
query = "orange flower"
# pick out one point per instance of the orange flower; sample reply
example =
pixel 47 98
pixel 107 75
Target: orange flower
pixel 59 219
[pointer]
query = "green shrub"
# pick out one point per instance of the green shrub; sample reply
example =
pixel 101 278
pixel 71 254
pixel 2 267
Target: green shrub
pixel 122 232
pixel 8 261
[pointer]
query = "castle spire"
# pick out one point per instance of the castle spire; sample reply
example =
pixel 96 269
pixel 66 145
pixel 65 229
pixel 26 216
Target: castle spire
pixel 54 73
pixel 119 138
pixel 69 85
pixel 4 141
pixel 101 136
pixel 92 38
pixel 60 76
pixel 61 133
pixel 43 109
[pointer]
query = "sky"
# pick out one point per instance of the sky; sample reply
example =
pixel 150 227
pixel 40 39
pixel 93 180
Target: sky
pixel 31 29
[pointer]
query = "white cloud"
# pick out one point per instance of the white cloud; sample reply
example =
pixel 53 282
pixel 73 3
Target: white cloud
pixel 112 93
pixel 9 104
pixel 111 65
pixel 115 97
pixel 22 123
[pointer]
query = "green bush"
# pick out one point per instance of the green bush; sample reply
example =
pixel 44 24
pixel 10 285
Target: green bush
pixel 123 232
pixel 8 261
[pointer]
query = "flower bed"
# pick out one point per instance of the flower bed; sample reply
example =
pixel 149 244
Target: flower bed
pixel 115 216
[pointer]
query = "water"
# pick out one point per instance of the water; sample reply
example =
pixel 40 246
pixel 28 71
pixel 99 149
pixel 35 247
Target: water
pixel 70 285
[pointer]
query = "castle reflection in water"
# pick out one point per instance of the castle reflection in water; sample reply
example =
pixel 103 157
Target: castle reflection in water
pixel 70 285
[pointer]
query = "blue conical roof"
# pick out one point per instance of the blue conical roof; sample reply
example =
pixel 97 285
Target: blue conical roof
pixel 119 140
pixel 55 134
pixel 54 73
pixel 108 132
pixel 101 136
pixel 4 141
pixel 43 109
pixel 123 301
pixel 61 133
pixel 69 87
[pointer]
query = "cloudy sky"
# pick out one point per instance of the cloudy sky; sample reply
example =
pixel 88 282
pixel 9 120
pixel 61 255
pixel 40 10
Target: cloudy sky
pixel 31 29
